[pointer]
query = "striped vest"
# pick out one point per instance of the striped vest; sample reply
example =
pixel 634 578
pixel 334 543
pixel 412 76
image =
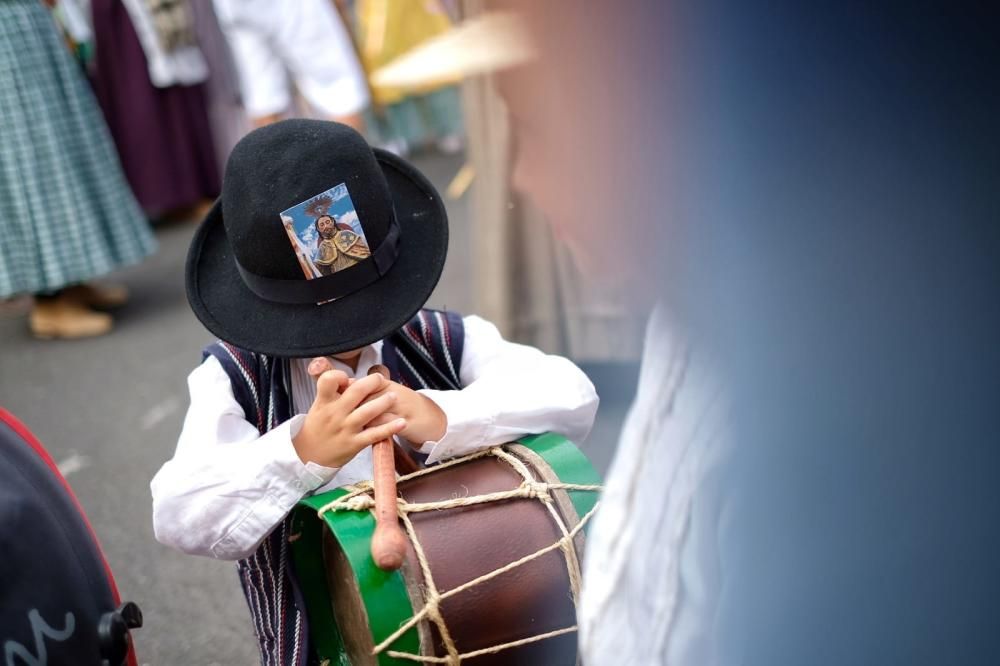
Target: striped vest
pixel 425 353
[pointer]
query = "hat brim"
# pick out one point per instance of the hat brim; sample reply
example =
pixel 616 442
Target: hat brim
pixel 229 309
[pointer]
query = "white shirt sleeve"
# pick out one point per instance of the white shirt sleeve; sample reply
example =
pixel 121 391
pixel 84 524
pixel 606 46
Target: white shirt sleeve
pixel 510 390
pixel 227 486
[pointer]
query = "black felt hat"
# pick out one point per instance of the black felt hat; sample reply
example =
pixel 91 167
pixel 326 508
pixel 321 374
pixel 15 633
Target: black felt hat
pixel 247 265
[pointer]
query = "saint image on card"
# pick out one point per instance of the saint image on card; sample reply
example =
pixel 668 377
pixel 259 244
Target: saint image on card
pixel 325 233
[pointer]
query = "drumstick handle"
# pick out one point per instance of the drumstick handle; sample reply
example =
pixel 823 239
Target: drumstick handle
pixel 388 541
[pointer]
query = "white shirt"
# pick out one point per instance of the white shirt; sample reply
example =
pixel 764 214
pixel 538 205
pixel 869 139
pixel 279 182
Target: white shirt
pixel 277 43
pixel 651 573
pixel 227 486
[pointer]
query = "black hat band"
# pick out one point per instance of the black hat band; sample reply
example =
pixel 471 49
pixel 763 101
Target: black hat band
pixel 328 287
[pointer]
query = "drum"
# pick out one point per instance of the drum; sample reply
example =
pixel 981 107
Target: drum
pixel 492 569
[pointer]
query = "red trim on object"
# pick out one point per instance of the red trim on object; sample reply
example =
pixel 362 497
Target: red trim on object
pixel 26 435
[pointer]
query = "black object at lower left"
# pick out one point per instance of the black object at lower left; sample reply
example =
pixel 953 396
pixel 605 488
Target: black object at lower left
pixel 58 600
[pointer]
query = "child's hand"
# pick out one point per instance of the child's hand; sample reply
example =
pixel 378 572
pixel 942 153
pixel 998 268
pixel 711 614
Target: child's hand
pixel 425 421
pixel 338 425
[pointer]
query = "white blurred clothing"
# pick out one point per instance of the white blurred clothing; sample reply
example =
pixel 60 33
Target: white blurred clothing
pixel 278 42
pixel 651 571
pixel 181 66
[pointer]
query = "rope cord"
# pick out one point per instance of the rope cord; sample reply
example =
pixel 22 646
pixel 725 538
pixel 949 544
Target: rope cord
pixel 359 499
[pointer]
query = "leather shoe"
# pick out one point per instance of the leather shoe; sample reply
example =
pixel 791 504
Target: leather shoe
pixel 64 317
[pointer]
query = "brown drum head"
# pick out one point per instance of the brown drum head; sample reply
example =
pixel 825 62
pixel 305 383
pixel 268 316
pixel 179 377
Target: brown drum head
pixel 464 543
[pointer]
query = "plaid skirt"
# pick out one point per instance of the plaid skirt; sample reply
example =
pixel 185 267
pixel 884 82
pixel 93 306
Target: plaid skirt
pixel 66 212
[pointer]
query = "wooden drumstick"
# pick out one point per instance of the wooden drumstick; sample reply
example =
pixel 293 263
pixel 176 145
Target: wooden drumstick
pixel 388 542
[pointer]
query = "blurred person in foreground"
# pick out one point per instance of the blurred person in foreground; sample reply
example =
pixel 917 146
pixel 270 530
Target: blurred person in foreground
pixel 590 151
pixel 848 265
pixel 68 213
pixel 827 177
pixel 810 194
pixel 303 40
pixel 588 120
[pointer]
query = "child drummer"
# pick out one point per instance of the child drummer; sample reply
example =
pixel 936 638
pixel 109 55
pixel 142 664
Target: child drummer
pixel 282 406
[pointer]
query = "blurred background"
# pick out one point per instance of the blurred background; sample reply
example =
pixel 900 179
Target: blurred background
pixel 810 189
pixel 162 86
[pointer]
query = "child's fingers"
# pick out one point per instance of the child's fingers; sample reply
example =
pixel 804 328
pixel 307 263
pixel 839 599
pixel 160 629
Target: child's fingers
pixel 389 387
pixel 386 389
pixel 330 384
pixel 383 418
pixel 357 392
pixel 371 410
pixel 318 366
pixel 370 436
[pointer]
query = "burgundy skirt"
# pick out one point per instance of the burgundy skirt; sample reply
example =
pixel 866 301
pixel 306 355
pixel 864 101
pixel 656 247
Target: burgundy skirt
pixel 162 134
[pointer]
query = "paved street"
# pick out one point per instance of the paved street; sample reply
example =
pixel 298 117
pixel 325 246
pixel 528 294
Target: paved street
pixel 109 410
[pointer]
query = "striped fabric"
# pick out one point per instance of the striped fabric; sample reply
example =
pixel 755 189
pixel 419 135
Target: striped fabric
pixel 427 352
pixel 67 213
pixel 428 357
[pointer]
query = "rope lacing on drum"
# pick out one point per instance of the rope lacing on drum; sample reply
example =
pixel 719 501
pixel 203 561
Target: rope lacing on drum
pixel 358 499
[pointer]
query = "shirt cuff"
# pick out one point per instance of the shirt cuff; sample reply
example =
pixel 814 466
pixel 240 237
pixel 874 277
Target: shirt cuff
pixel 467 426
pixel 315 475
pixel 287 480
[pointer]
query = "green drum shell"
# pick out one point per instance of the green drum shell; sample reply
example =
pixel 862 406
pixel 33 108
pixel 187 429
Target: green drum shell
pixel 384 595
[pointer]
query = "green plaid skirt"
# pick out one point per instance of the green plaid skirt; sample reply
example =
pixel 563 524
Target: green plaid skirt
pixel 66 212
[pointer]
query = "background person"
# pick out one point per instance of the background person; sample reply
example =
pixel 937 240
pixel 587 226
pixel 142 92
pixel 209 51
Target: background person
pixel 149 77
pixel 276 43
pixel 68 214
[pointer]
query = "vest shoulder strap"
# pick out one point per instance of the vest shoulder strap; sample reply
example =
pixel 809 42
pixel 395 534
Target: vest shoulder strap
pixel 427 351
pixel 247 377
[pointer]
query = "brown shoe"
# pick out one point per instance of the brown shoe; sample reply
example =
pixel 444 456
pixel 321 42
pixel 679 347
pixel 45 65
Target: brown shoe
pixel 101 296
pixel 64 317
